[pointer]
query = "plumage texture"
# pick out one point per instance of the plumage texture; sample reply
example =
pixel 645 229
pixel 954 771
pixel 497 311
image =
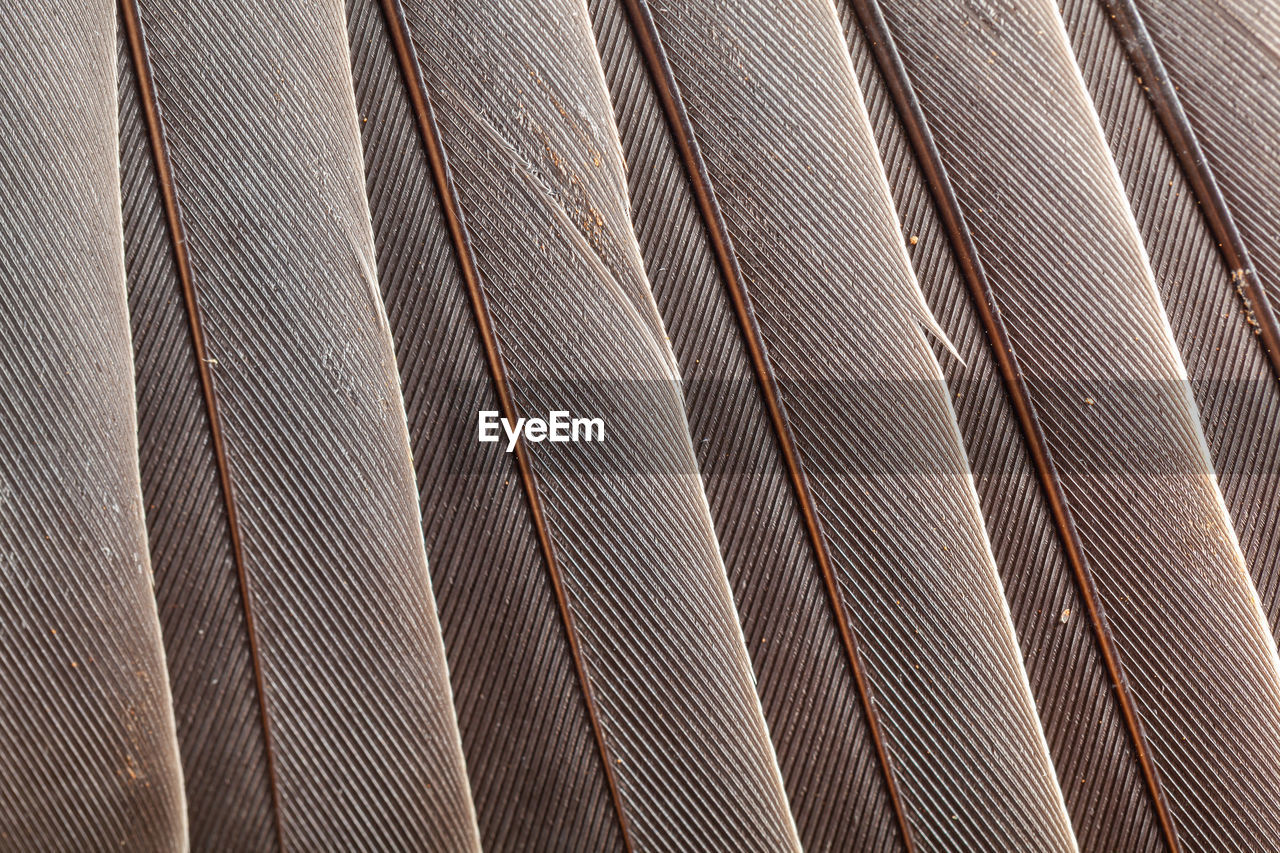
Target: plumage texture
pixel 261 135
pixel 1231 106
pixel 218 717
pixel 789 152
pixel 1074 287
pixel 1232 380
pixel 536 169
pixel 946 517
pixel 825 752
pixel 1224 58
pixel 88 758
pixel 537 778
pixel 1092 750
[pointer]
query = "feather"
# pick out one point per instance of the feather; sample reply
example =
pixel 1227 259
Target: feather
pixel 498 607
pixel 1115 429
pixel 225 754
pixel 88 755
pixel 770 235
pixel 1221 316
pixel 1093 752
pixel 307 663
pixel 546 285
pixel 1223 63
pixel 802 670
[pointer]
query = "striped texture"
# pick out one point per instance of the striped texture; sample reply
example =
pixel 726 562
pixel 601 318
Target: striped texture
pixel 1233 383
pixel 829 581
pixel 197 591
pixel 536 167
pixel 88 757
pixel 1092 751
pixel 835 783
pixel 537 778
pixel 262 135
pixel 790 154
pixel 1074 286
pixel 1224 57
pixel 1236 389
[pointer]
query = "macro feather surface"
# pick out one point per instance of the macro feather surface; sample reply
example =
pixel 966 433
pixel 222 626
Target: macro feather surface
pixel 802 669
pixel 928 367
pixel 836 336
pixel 512 100
pixel 498 611
pixel 1194 657
pixel 1092 750
pixel 1223 57
pixel 275 456
pixel 189 538
pixel 88 758
pixel 1210 239
pixel 1231 376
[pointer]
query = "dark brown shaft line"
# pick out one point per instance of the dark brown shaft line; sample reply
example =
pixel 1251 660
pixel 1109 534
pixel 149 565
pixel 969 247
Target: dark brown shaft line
pixel 726 258
pixel 1177 127
pixel 966 252
pixel 173 214
pixel 449 202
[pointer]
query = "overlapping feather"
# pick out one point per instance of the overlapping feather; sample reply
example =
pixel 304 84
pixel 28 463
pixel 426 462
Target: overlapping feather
pixel 802 669
pixel 553 187
pixel 1093 752
pixel 88 758
pixel 225 754
pixel 542 234
pixel 537 778
pixel 312 688
pixel 1223 57
pixel 1074 287
pixel 1204 232
pixel 791 164
pixel 1233 381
